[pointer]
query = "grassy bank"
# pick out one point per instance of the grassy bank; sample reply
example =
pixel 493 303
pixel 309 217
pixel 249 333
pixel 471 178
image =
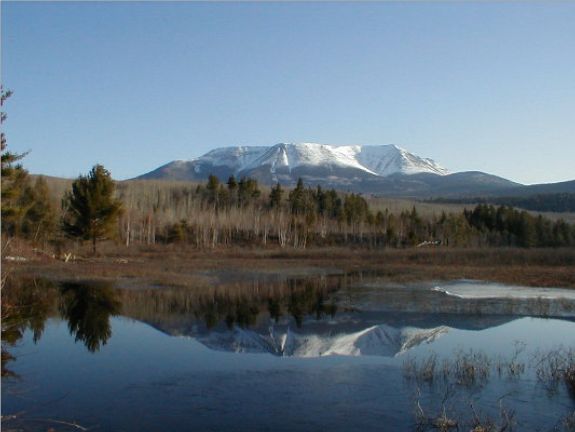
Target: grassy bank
pixel 181 266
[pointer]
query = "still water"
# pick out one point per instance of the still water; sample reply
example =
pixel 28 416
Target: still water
pixel 312 353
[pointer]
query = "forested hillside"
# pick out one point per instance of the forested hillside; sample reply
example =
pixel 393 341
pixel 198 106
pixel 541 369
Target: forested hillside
pixel 554 202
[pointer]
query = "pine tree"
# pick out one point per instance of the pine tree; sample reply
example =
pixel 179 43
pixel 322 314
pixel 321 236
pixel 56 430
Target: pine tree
pixel 297 198
pixel 40 219
pixel 22 206
pixel 91 210
pixel 212 188
pixel 232 183
pixel 276 196
pixel 14 179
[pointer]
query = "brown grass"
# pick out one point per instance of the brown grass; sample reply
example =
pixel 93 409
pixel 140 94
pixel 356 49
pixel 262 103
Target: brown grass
pixel 186 266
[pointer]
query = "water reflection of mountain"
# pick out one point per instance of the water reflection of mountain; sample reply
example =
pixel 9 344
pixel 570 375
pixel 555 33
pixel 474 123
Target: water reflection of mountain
pixel 379 340
pixel 312 316
pixel 322 316
pixel 347 334
pixel 302 320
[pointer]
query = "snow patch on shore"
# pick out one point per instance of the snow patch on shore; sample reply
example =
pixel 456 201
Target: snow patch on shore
pixel 482 290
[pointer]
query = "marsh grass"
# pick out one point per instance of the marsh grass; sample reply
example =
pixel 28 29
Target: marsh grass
pixel 513 367
pixel 506 421
pixel 181 265
pixel 471 370
pixel 423 371
pixel 556 367
pixel 467 368
pixel 568 422
pixel 440 420
pixel 447 418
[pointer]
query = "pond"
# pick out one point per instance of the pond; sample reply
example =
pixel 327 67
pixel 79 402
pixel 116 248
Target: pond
pixel 340 352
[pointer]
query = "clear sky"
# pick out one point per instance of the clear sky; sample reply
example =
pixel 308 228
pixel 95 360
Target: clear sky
pixel 484 86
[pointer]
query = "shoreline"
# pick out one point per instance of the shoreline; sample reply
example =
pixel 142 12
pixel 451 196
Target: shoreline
pixel 180 266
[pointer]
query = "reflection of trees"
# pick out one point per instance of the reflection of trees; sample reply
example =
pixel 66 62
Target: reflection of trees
pixel 26 304
pixel 88 309
pixel 243 305
pixel 243 308
pixel 309 301
pixel 275 308
pixel 233 310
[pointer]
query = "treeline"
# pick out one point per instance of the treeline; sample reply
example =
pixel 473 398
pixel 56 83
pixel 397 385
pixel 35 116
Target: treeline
pixel 553 202
pixel 240 212
pixel 509 227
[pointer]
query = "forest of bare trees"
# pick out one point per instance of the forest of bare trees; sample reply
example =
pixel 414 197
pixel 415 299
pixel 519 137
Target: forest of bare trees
pixel 240 212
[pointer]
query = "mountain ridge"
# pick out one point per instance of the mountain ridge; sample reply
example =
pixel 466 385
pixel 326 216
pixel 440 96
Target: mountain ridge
pixel 384 170
pixel 283 158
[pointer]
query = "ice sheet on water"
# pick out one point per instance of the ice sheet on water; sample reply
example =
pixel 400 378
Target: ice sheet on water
pixel 482 290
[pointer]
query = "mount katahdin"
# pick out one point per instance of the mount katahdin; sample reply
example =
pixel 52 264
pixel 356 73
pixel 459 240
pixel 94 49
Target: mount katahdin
pixel 385 169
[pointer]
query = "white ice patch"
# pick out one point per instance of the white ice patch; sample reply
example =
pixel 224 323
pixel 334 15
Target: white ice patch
pixel 475 290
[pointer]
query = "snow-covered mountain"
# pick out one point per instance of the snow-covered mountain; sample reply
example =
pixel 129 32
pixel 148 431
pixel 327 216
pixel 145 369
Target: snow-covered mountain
pixel 376 160
pixel 385 169
pixel 282 159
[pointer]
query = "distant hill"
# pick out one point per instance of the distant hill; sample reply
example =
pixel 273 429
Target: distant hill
pixel 550 202
pixel 544 188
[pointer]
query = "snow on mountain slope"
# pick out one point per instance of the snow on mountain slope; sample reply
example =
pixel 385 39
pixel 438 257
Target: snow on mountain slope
pixel 387 160
pixel 234 157
pixel 379 340
pixel 294 155
pixel 375 160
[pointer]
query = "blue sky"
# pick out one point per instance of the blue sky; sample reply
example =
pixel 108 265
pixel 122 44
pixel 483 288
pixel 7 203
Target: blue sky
pixel 484 86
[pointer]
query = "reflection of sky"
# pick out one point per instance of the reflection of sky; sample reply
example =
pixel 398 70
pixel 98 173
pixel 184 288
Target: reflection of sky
pixel 538 333
pixel 143 378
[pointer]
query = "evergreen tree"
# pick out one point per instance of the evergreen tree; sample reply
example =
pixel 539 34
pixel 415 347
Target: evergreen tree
pixel 40 219
pixel 276 196
pixel 297 199
pixel 232 184
pixel 17 198
pixel 14 180
pixel 248 191
pixel 223 198
pixel 355 209
pixel 26 210
pixel 232 191
pixel 91 210
pixel 333 205
pixel 212 187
